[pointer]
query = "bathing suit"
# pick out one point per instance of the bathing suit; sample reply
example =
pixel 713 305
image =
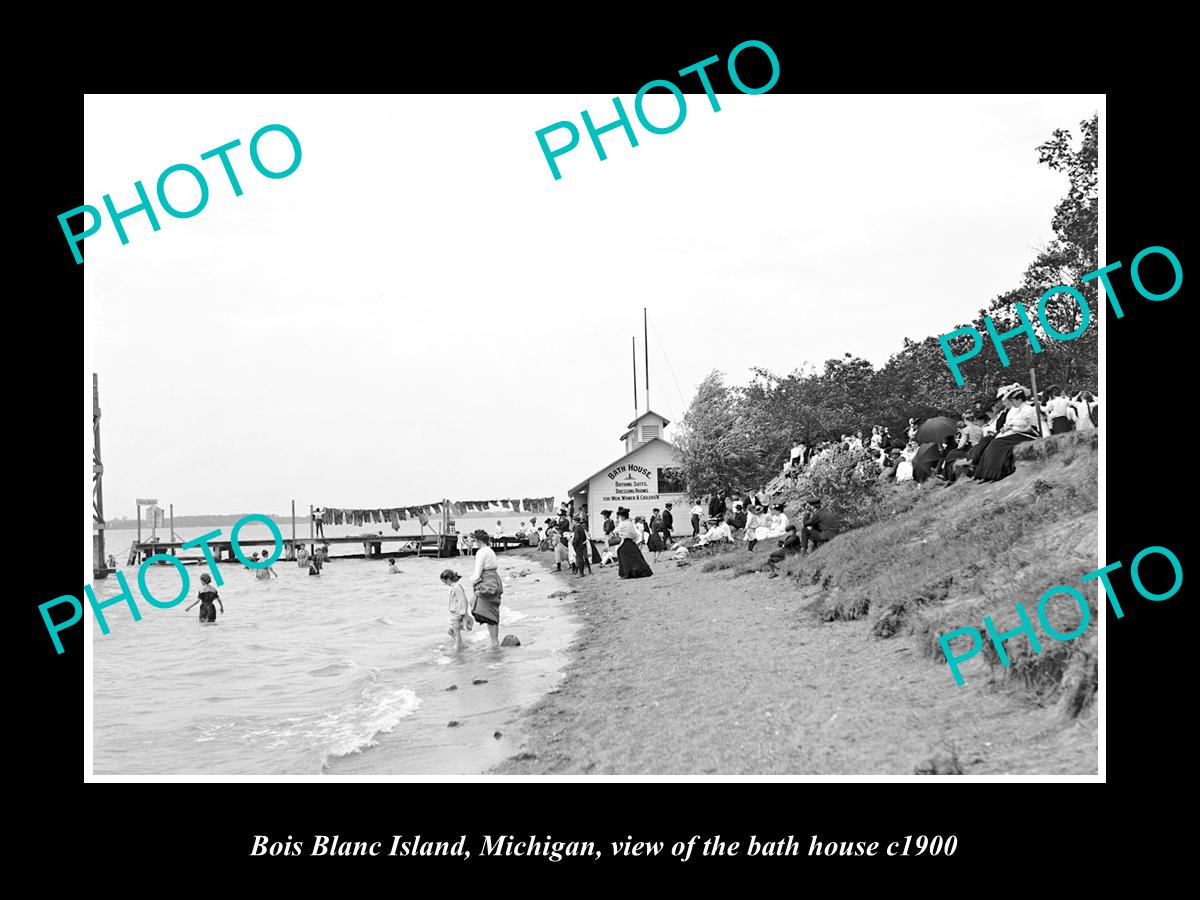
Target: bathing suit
pixel 208 611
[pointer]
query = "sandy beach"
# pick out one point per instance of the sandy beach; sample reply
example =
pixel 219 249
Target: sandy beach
pixel 693 672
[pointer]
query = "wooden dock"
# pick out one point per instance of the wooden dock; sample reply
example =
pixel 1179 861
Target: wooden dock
pixel 367 547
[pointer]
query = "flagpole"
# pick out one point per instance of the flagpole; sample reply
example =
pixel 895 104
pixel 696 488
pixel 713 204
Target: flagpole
pixel 646 341
pixel 633 352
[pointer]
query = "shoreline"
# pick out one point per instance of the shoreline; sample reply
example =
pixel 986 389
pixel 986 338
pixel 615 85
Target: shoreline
pixel 699 673
pixel 484 692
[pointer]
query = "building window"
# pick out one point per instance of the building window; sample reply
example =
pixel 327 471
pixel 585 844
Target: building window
pixel 649 432
pixel 671 481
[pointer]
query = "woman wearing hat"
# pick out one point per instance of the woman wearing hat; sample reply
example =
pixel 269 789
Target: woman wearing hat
pixel 1020 425
pixel 488 587
pixel 630 562
pixel 969 437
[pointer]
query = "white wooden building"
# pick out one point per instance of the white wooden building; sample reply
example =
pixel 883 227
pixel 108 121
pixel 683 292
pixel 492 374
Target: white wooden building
pixel 646 476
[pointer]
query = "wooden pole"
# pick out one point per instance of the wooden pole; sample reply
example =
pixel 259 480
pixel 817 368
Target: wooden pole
pixel 633 351
pixel 99 559
pixel 172 506
pixel 1036 403
pixel 646 342
pixel 311 535
pixel 139 509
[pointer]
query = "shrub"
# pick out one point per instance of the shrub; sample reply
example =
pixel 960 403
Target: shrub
pixel 847 483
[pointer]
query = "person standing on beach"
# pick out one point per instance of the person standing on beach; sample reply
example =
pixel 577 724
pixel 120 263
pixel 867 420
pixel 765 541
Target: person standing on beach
pixel 630 561
pixel 488 587
pixel 668 523
pixel 205 597
pixel 697 512
pixel 583 556
pixel 609 525
pixel 654 543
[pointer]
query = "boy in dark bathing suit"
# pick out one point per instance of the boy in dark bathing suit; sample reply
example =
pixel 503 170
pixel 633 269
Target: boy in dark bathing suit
pixel 207 595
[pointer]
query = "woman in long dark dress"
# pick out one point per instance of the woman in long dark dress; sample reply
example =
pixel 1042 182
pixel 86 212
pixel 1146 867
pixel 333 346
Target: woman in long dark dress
pixel 579 538
pixel 630 562
pixel 928 458
pixel 655 543
pixel 1020 425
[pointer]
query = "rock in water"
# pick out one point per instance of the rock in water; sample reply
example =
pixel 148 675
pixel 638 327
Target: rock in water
pixel 479 681
pixel 497 735
pixel 510 640
pixel 453 687
pixel 453 723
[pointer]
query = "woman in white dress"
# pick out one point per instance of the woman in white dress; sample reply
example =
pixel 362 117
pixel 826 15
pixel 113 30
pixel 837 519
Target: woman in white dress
pixel 1084 403
pixel 753 522
pixel 904 471
pixel 779 523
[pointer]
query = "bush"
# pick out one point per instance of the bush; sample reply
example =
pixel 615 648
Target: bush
pixel 847 483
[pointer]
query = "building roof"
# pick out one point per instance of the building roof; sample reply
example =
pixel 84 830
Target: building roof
pixel 633 425
pixel 585 481
pixel 649 412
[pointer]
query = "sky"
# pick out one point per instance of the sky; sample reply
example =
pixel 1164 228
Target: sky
pixel 422 311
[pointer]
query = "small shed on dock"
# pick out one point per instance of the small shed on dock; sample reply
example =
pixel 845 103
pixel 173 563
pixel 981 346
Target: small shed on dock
pixel 645 477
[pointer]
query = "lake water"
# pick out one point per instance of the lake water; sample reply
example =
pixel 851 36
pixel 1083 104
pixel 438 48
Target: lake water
pixel 343 673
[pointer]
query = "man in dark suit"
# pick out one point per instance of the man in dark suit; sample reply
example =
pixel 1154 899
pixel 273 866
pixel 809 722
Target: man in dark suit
pixel 739 517
pixel 820 526
pixel 668 521
pixel 716 506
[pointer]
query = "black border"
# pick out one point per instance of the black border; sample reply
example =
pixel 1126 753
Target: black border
pixel 1146 413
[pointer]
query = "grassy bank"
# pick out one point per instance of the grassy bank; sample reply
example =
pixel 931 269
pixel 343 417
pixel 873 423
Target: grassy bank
pixel 952 554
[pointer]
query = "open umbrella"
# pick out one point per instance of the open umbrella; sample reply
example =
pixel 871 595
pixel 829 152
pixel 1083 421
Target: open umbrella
pixel 936 430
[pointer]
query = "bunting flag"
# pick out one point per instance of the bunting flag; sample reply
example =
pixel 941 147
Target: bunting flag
pixel 397 514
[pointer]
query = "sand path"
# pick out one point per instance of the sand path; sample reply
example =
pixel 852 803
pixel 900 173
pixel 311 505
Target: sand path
pixel 690 672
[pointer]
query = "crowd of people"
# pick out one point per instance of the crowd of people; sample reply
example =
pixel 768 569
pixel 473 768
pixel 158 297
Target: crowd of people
pixel 978 445
pixel 752 518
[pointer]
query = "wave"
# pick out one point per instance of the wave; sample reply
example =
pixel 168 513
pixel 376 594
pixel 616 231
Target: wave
pixel 333 668
pixel 380 708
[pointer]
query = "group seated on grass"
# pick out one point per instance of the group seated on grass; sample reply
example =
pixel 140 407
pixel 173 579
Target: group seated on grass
pixel 763 523
pixel 979 445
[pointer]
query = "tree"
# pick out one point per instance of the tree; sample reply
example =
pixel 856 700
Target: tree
pixel 738 438
pixel 708 440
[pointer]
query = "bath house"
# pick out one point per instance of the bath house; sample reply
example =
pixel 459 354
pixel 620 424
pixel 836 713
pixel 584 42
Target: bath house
pixel 646 476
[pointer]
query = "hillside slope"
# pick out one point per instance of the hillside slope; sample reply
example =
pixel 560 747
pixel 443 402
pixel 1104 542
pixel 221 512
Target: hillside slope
pixel 952 554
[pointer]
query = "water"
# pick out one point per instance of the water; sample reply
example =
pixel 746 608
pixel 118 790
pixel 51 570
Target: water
pixel 342 673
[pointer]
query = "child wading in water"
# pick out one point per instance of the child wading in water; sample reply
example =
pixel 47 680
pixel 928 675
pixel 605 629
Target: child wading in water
pixel 206 596
pixel 460 611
